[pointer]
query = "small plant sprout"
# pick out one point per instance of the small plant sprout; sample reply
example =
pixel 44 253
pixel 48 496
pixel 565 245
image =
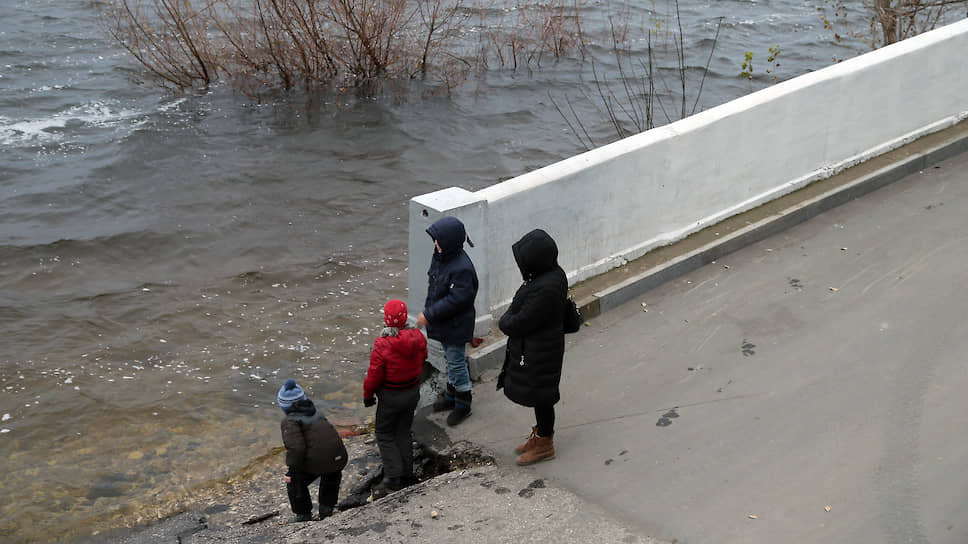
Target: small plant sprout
pixel 747 66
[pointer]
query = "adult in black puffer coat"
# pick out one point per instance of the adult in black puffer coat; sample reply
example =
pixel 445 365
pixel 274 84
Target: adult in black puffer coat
pixel 536 340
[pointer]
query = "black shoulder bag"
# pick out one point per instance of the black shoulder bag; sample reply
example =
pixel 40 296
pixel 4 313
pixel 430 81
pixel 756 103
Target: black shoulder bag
pixel 572 319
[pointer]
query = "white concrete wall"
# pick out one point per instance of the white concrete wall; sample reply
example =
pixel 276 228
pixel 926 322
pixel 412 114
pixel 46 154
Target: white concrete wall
pixel 618 202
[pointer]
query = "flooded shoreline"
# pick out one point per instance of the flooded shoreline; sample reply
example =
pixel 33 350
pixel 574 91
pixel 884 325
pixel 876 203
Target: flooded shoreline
pixel 168 260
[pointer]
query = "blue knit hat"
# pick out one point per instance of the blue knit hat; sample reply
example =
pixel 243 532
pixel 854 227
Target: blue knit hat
pixel 289 393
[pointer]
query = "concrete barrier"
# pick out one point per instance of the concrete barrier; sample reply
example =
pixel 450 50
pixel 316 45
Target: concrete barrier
pixel 617 202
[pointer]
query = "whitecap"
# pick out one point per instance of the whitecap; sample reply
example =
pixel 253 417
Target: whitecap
pixel 106 114
pixel 171 105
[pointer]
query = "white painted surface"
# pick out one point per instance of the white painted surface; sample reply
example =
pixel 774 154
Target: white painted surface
pixel 618 202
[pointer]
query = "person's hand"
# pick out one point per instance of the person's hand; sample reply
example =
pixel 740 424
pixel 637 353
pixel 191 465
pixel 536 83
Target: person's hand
pixel 287 479
pixel 421 320
pixel 369 402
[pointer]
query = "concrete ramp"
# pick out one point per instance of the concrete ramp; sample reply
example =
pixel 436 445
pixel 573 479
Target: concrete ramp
pixel 823 366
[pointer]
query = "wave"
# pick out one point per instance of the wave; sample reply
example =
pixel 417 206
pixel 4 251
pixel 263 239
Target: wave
pixel 97 114
pixel 127 244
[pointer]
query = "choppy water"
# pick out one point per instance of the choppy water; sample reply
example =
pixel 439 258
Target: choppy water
pixel 166 261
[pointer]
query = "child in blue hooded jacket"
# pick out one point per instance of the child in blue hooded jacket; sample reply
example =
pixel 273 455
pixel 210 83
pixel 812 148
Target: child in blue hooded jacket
pixel 449 311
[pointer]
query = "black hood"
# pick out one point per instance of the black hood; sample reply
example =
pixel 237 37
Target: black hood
pixel 535 253
pixel 302 407
pixel 450 236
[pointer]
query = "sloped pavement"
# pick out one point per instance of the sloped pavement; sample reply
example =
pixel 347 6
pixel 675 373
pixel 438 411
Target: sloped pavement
pixel 808 387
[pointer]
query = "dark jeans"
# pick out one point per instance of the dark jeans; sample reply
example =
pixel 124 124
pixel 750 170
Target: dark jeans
pixel 544 417
pixel 394 417
pixel 298 489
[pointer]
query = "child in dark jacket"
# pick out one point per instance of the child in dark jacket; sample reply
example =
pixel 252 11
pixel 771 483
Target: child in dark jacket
pixel 449 311
pixel 394 377
pixel 314 450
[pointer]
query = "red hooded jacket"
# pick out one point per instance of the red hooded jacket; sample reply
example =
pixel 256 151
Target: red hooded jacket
pixel 395 362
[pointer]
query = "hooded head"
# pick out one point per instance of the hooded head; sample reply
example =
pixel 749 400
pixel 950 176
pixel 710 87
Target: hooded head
pixel 450 235
pixel 535 253
pixel 289 393
pixel 395 314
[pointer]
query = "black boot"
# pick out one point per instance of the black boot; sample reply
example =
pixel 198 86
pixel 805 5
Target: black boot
pixel 445 400
pixel 387 486
pixel 462 408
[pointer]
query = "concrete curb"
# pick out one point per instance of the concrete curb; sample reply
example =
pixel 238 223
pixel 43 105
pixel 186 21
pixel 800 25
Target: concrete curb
pixel 904 161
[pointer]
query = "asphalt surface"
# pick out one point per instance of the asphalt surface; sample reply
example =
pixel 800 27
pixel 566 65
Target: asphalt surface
pixel 810 387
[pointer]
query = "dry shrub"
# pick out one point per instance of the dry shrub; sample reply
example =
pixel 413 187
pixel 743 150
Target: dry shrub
pixel 557 25
pixel 168 37
pixel 274 43
pixel 268 45
pixel 889 21
pixel 633 102
pixel 520 35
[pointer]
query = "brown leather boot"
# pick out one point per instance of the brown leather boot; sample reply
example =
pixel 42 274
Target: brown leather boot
pixel 542 449
pixel 528 444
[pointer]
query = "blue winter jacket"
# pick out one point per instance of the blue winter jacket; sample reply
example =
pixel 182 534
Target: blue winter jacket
pixel 452 285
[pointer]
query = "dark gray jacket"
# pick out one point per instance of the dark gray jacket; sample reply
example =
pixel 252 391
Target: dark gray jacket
pixel 312 444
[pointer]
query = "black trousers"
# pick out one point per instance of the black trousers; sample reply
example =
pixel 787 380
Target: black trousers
pixel 394 417
pixel 298 490
pixel 544 417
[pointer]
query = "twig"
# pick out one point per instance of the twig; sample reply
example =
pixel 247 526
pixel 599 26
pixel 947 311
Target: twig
pixel 706 68
pixel 261 518
pixel 568 122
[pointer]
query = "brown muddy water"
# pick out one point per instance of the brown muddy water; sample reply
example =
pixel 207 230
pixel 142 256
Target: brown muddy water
pixel 167 261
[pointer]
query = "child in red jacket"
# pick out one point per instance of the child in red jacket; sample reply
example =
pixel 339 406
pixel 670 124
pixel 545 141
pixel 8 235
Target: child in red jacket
pixel 394 377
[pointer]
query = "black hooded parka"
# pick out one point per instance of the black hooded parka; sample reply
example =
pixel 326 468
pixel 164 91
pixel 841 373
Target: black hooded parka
pixel 533 324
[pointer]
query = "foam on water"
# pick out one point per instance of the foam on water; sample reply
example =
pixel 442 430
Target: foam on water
pixel 52 128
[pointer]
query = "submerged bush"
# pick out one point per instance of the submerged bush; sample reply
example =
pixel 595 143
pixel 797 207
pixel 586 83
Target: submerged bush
pixel 269 45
